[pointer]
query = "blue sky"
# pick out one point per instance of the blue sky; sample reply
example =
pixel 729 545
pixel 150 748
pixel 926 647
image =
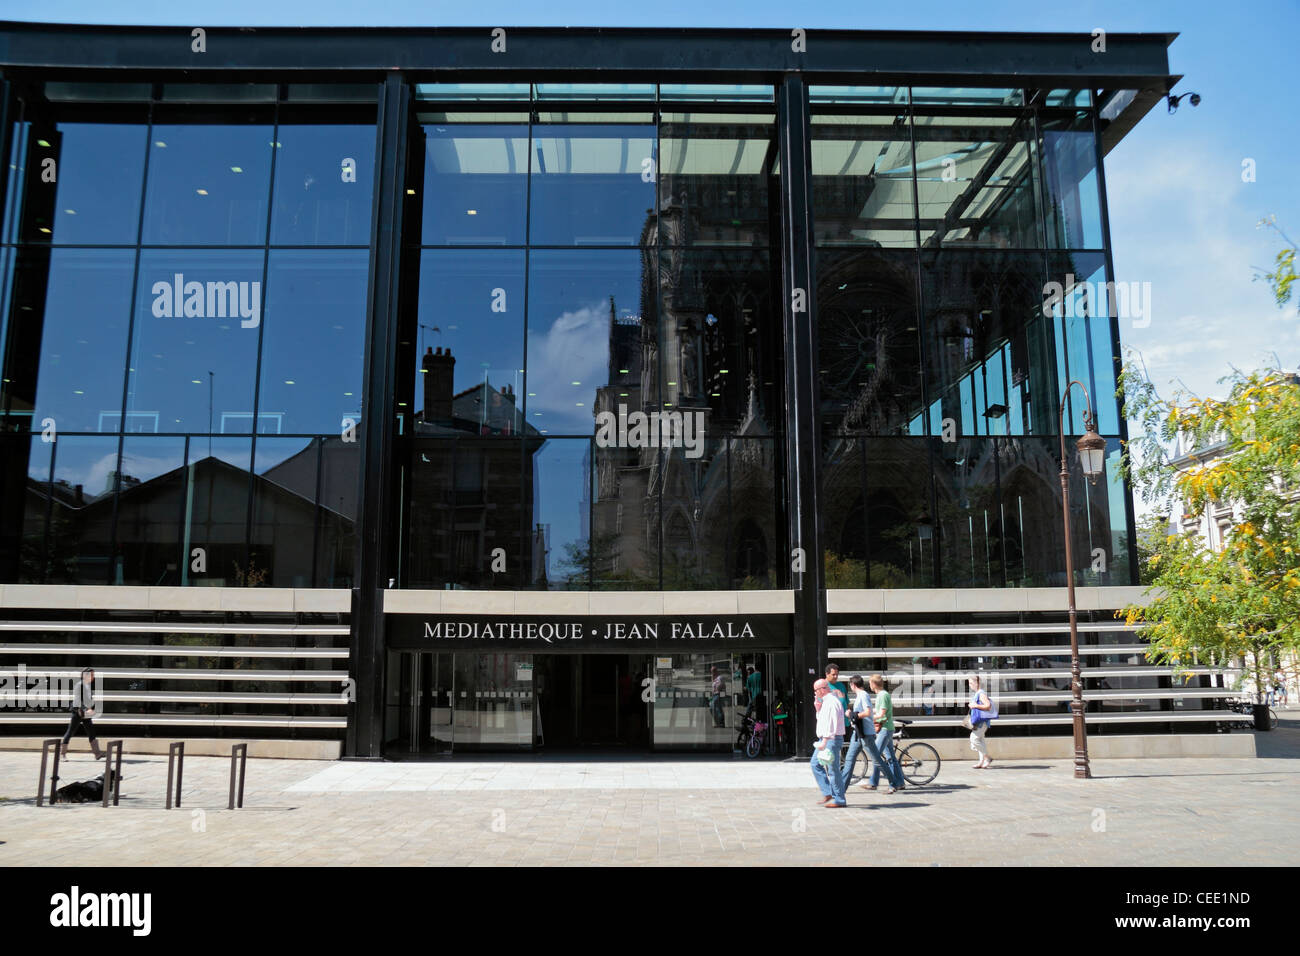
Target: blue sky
pixel 1182 219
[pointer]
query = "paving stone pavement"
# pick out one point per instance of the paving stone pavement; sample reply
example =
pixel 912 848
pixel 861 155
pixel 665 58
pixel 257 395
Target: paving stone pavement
pixel 489 811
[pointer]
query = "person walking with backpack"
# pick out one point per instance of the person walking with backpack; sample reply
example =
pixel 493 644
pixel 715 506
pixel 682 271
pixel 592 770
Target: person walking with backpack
pixel 83 708
pixel 883 716
pixel 859 719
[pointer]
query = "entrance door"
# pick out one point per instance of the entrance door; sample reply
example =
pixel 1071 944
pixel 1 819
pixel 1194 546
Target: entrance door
pixel 418 711
pixel 592 700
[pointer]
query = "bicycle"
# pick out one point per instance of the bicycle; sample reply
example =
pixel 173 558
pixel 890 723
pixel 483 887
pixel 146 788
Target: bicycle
pixel 1246 707
pixel 751 735
pixel 918 761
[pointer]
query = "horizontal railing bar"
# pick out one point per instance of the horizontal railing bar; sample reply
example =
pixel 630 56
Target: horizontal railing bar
pixel 878 630
pixel 1057 696
pixel 130 627
pixel 1131 670
pixel 172 650
pixel 1150 717
pixel 163 720
pixel 1058 650
pixel 194 696
pixel 178 673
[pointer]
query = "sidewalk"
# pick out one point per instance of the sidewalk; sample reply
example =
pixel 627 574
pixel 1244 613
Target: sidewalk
pixel 676 811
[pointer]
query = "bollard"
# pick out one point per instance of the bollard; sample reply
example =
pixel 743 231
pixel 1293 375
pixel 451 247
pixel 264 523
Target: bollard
pixel 240 752
pixel 113 775
pixel 56 743
pixel 176 765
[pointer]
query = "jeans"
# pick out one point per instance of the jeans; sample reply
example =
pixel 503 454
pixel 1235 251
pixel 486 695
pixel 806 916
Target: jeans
pixel 857 744
pixel 715 705
pixel 885 745
pixel 827 775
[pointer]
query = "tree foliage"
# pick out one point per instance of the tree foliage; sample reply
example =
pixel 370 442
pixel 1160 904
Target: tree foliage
pixel 1243 602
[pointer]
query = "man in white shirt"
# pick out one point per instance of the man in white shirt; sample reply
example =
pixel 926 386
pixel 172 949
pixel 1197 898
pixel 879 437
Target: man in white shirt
pixel 830 736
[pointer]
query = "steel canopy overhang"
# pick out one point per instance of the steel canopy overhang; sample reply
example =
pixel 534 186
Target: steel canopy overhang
pixel 1131 60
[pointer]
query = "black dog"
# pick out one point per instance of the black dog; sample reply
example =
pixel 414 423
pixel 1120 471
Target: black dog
pixel 84 791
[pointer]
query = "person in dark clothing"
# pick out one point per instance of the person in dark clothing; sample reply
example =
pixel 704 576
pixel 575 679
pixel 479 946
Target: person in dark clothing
pixel 83 708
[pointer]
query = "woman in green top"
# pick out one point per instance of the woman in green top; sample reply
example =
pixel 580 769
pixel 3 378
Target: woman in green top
pixel 883 714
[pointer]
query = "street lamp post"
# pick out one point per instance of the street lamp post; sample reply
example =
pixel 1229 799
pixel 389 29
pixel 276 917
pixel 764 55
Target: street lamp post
pixel 1092 456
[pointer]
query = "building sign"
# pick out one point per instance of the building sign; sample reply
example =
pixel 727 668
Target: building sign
pixel 620 635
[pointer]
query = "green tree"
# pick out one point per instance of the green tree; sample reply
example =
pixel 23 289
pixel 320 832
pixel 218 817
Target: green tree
pixel 1283 276
pixel 1241 603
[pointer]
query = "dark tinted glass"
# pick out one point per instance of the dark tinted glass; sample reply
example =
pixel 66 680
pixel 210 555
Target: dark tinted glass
pixel 209 184
pixel 592 185
pixel 151 510
pixel 83 182
pixel 560 542
pixel 718 335
pixel 217 492
pixel 989 360
pixel 975 181
pixel 67 338
pixel 80 510
pixel 863 189
pixel 339 487
pixel 324 179
pixel 194 348
pixel 471 514
pixel 25 500
pixel 313 345
pixel 468 376
pixel 284 513
pixel 869 359
pixel 715 179
pixel 1073 189
pixel 475 185
pixel 1080 316
pixel 586 324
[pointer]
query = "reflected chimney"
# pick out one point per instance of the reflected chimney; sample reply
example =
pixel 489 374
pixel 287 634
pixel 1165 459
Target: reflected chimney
pixel 438 369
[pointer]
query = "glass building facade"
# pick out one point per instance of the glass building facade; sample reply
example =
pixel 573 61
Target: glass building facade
pixel 439 331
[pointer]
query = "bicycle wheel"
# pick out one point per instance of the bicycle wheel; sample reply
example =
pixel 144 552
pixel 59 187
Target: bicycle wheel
pixel 861 768
pixel 1272 719
pixel 919 763
pixel 754 745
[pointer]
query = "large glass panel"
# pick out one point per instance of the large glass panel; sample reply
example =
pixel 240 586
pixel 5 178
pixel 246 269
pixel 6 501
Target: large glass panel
pixel 151 510
pixel 755 548
pixel 560 545
pixel 474 190
pixel 67 338
pixel 284 513
pixel 967 96
pixel 314 341
pixel 26 499
pixel 843 500
pixel 340 479
pixel 694 507
pixel 471 505
pixel 216 514
pixel 863 188
pixel 324 177
pixel 469 365
pixel 869 347
pixel 208 183
pixel 975 181
pixel 898 513
pixel 989 366
pixel 194 347
pixel 715 92
pixel 83 181
pixel 494 701
pixel 695 701
pixel 715 179
pixel 719 341
pixel 1073 189
pixel 81 512
pixel 592 185
pixel 587 333
pixel 858 94
pixel 1079 305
